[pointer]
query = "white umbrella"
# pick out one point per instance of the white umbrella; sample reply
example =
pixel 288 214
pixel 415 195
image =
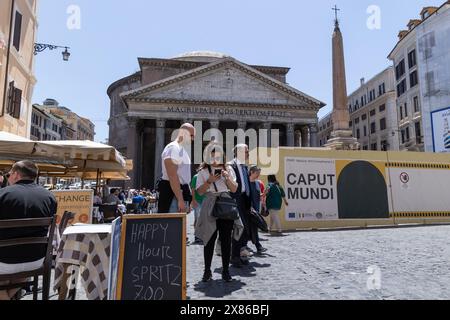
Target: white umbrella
pixel 81 150
pixel 16 145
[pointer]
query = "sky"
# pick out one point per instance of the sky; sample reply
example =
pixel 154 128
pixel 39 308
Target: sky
pixel 106 38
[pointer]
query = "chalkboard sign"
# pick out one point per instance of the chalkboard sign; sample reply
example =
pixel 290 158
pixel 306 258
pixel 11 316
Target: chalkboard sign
pixel 152 263
pixel 116 232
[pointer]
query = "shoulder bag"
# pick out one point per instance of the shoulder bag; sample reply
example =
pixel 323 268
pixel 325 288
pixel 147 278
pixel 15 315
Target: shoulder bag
pixel 225 207
pixel 258 220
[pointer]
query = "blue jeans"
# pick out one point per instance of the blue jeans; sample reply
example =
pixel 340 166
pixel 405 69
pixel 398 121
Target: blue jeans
pixel 197 211
pixel 174 206
pixel 197 216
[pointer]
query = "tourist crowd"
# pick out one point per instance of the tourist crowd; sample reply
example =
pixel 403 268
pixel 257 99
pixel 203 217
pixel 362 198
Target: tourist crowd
pixel 228 199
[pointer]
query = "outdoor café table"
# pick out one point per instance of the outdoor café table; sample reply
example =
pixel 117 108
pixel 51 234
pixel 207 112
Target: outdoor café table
pixel 87 248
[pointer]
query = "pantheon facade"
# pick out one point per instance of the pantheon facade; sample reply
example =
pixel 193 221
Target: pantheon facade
pixel 213 89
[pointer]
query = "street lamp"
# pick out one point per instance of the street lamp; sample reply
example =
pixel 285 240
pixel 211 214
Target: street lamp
pixel 66 55
pixel 39 47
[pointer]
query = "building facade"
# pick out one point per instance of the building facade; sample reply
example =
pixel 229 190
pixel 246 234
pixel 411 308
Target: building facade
pixel 215 90
pixel 373 115
pixel 85 129
pixel 325 129
pixel 46 126
pixel 421 60
pixel 18 25
pixel 68 124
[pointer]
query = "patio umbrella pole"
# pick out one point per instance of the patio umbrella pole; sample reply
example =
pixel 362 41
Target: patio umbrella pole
pixel 82 179
pixel 97 181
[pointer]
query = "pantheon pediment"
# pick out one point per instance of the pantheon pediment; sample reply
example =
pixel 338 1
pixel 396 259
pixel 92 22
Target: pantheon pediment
pixel 226 81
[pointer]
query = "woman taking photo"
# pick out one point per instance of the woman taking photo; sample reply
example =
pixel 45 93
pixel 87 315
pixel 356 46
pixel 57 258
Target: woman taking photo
pixel 215 178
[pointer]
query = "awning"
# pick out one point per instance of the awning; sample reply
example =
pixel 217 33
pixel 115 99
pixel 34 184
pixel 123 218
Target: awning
pixel 15 145
pixel 80 150
pixel 83 159
pixel 92 175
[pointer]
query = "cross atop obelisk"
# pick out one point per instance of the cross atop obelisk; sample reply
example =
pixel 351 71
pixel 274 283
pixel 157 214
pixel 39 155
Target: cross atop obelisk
pixel 342 135
pixel 336 9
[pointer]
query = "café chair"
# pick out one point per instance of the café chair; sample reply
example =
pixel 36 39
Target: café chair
pixel 66 218
pixel 110 212
pixel 132 208
pixel 45 269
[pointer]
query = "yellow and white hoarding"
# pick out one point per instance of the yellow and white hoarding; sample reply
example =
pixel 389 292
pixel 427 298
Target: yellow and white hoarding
pixel 329 189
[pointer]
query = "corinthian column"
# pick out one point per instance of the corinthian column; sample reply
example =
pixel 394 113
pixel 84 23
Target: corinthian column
pixel 215 132
pixel 313 136
pixel 266 140
pixel 159 146
pixel 305 137
pixel 242 125
pixel 290 134
pixel 133 151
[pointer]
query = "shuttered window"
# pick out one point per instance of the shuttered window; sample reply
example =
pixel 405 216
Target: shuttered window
pixel 17 31
pixel 14 101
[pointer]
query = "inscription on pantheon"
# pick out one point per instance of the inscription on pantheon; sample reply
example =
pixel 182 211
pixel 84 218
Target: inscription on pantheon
pixel 206 111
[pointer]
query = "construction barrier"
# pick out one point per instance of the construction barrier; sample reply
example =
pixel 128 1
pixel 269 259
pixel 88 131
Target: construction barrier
pixel 341 189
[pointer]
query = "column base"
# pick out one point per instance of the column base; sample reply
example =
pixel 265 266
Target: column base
pixel 342 140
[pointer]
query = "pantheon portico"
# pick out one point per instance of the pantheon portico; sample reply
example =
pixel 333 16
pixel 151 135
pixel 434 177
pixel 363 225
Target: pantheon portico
pixel 211 89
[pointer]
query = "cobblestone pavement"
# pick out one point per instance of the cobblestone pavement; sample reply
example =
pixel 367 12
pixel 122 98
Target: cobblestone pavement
pixel 413 264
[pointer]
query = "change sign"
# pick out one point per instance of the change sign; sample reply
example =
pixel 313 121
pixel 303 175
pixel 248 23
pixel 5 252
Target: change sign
pixel 79 202
pixel 311 189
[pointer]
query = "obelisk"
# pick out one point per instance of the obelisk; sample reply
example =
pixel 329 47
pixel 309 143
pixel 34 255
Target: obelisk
pixel 342 136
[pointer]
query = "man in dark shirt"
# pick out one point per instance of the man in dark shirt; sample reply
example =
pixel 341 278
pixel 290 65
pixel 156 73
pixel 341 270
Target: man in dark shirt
pixel 24 199
pixel 113 197
pixel 242 196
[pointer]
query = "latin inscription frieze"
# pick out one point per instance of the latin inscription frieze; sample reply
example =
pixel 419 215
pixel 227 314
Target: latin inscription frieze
pixel 239 112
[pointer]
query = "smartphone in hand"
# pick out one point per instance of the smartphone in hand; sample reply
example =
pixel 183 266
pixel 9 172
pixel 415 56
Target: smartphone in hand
pixel 218 172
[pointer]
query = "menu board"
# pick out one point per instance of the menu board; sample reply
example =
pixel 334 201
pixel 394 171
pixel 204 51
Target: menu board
pixel 152 260
pixel 116 232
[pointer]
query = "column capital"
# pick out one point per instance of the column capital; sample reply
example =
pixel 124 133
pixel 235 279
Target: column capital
pixel 313 128
pixel 160 123
pixel 290 127
pixel 242 125
pixel 132 121
pixel 214 124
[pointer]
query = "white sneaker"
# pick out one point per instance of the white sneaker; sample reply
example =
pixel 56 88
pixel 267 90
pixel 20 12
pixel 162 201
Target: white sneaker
pixel 245 253
pixel 218 250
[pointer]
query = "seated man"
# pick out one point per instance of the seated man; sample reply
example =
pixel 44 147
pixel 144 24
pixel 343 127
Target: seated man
pixel 23 199
pixel 113 197
pixel 97 199
pixel 139 200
